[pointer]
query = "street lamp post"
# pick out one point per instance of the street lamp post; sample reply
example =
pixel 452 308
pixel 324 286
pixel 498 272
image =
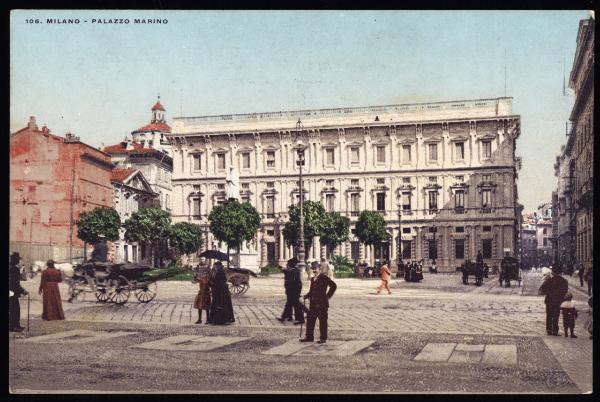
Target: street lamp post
pixel 300 163
pixel 435 254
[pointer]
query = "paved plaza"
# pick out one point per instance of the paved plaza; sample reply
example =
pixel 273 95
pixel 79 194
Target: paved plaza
pixel 423 329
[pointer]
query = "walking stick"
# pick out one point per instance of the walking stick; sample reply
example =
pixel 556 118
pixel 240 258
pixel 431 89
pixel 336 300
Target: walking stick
pixel 301 325
pixel 28 303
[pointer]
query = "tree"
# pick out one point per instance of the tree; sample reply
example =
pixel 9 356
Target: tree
pixel 233 223
pixel 185 237
pixel 335 229
pixel 370 228
pixel 147 226
pixel 314 219
pixel 99 221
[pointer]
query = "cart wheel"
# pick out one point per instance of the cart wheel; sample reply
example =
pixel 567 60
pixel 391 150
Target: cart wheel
pixel 103 294
pixel 146 292
pixel 120 293
pixel 245 289
pixel 236 289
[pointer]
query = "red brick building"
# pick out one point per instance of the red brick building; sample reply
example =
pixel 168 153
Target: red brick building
pixel 53 180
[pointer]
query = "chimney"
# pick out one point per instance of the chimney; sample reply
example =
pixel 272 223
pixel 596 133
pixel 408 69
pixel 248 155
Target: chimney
pixel 129 146
pixel 31 125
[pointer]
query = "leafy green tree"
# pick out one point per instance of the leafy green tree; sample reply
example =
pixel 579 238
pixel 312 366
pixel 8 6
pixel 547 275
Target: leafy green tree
pixel 185 237
pixel 370 228
pixel 314 219
pixel 148 226
pixel 233 223
pixel 99 221
pixel 335 230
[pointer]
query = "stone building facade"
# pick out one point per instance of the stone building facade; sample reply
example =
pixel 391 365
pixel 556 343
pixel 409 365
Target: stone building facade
pixel 582 154
pixel 53 180
pixel 563 218
pixel 131 192
pixel 148 151
pixel 449 168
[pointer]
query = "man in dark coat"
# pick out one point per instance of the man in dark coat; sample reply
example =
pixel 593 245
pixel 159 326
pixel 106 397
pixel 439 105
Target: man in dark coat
pixel 554 288
pixel 100 250
pixel 293 286
pixel 319 296
pixel 15 291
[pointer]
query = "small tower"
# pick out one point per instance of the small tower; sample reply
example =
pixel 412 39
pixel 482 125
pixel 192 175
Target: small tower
pixel 158 112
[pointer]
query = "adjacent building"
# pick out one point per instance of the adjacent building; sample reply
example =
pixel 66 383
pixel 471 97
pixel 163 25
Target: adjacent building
pixel 582 154
pixel 131 192
pixel 443 175
pixel 53 179
pixel 149 152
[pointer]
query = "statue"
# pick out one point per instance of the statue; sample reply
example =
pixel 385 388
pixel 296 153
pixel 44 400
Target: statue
pixel 233 184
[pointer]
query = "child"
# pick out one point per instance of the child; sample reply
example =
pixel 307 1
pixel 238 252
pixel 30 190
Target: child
pixel 569 314
pixel 203 298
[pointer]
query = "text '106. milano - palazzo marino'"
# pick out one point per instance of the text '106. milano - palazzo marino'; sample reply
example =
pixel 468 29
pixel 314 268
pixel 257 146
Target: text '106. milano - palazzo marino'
pixel 441 174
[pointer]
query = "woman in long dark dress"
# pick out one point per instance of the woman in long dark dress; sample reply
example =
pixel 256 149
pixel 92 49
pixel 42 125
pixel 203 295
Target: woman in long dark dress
pixel 51 302
pixel 221 309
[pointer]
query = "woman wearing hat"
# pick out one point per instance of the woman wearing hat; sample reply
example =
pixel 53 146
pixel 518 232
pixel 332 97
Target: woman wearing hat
pixel 202 301
pixel 52 304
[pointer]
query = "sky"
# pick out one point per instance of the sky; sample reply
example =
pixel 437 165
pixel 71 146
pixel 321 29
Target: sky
pixel 99 80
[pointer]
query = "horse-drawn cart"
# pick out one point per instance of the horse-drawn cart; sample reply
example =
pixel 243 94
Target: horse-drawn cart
pixel 113 283
pixel 509 271
pixel 472 268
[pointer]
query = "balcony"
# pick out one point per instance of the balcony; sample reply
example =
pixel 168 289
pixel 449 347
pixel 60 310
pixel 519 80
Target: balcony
pixel 459 210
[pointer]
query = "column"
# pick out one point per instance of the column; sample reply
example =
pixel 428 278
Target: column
pixel 280 248
pixel 419 244
pixel 394 247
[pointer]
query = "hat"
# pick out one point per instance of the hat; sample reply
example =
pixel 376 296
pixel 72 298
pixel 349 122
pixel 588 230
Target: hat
pixel 556 269
pixel 50 263
pixel 15 256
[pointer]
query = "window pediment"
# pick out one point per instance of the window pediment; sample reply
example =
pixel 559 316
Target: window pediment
pixel 220 151
pixel 487 185
pixel 269 191
pixel 405 187
pixel 380 143
pixel 431 140
pixel 244 150
pixel 381 187
pixel 459 138
pixel 432 186
pixel 195 194
pixel 270 148
pixel 459 186
pixel 485 137
pixel 354 189
pixel 406 141
pixel 329 145
pixel 328 190
pixel 354 144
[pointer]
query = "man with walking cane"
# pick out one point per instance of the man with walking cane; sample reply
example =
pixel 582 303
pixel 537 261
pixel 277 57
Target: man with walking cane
pixel 321 290
pixel 15 291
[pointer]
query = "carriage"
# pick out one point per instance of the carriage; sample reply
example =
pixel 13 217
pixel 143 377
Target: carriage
pixel 238 278
pixel 113 283
pixel 479 271
pixel 509 271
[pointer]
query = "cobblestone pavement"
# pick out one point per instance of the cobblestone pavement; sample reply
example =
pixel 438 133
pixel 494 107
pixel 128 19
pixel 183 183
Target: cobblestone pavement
pixel 439 304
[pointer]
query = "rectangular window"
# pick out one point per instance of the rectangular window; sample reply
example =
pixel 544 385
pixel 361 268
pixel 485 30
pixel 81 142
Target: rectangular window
pixel 432 179
pixel 544 231
pixel 486 200
pixel 381 201
pixel 486 229
pixel 380 154
pixel 246 160
pixel 486 245
pixel 354 155
pixel 126 250
pixel 459 201
pixel 486 147
pixel 329 183
pixel 245 185
pixel 432 201
pixel 486 177
pixel 406 196
pixel 406 230
pixel 545 241
pixel 221 186
pixel 460 150
pixel 459 229
pixel 270 158
pixel 406 157
pixel 355 250
pixel 433 156
pixel 220 161
pixel 406 180
pixel 329 199
pixel 406 249
pixel 134 253
pixel 459 249
pixel 380 181
pixel 329 156
pixel 271 184
pixel 196 206
pixel 432 249
pixel 354 182
pixel 270 206
pixel 197 162
pixel 354 204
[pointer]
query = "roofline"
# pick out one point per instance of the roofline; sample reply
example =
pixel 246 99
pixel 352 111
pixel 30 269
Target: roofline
pixel 356 108
pixel 58 137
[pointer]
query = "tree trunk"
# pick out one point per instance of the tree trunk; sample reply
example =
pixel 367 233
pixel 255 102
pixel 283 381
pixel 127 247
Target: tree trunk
pixel 227 255
pixel 84 251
